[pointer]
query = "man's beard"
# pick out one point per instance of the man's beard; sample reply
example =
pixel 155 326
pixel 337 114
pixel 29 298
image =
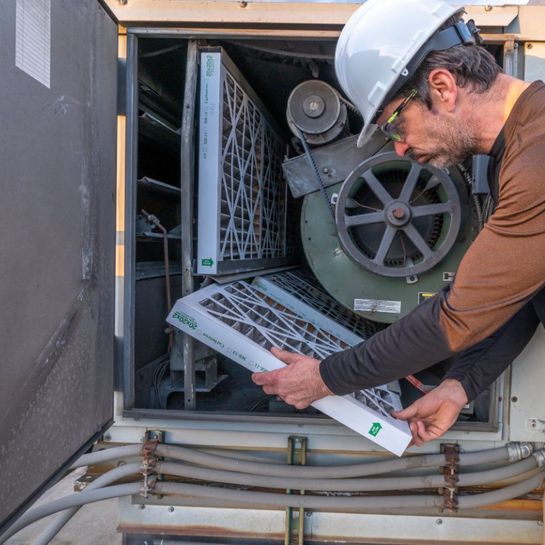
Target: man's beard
pixel 455 145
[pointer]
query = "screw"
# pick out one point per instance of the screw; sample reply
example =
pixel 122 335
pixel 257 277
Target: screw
pixel 107 437
pixel 439 522
pixel 141 506
pixel 514 399
pixel 533 423
pixel 243 4
pixel 488 8
pixel 170 509
pixel 325 170
pixel 529 46
pixel 308 514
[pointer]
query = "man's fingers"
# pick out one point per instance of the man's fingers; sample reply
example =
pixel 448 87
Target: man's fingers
pixel 285 356
pixel 266 378
pixel 410 412
pixel 414 430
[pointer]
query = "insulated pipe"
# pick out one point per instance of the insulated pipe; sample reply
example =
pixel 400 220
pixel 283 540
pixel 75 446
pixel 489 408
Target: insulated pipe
pixel 379 484
pixel 502 494
pixel 369 468
pixel 498 474
pixel 107 455
pixel 268 499
pixel 107 478
pixel 73 500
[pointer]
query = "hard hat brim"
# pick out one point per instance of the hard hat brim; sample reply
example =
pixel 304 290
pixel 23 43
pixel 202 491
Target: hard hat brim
pixel 366 134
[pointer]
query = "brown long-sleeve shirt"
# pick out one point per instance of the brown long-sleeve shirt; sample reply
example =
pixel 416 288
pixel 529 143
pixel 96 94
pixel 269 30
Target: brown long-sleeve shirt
pixel 502 270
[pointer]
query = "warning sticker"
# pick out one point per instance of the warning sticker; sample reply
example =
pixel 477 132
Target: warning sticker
pixel 377 305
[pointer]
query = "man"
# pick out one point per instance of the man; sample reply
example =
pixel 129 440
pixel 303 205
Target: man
pixel 416 71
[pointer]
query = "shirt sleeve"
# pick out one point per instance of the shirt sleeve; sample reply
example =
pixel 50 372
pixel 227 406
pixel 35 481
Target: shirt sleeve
pixel 500 272
pixel 480 365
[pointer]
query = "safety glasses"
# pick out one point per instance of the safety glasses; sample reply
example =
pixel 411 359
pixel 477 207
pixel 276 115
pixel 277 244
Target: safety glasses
pixel 390 128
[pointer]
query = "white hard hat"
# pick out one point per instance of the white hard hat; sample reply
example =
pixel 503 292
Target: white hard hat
pixel 382 45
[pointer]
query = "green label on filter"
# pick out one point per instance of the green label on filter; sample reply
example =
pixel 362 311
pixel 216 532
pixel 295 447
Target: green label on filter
pixel 375 428
pixel 207 262
pixel 185 319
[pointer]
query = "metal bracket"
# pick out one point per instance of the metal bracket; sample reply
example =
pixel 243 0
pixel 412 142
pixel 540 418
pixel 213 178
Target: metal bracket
pixel 450 473
pixel 295 523
pixel 151 439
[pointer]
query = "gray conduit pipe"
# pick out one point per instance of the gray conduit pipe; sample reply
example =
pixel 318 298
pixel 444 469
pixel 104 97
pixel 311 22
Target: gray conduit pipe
pixel 110 477
pixel 498 474
pixel 107 455
pixel 355 470
pixel 73 500
pixel 268 499
pixel 502 494
pixel 380 484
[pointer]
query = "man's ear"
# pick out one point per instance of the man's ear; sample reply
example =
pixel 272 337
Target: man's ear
pixel 443 89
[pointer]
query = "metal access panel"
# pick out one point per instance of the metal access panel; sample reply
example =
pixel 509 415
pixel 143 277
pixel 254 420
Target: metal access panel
pixel 57 151
pixel 243 322
pixel 242 192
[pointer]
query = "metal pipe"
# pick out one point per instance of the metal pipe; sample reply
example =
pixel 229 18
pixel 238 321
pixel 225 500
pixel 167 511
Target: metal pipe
pixel 155 220
pixel 73 500
pixel 107 455
pixel 54 527
pixel 502 494
pixel 355 470
pixel 187 177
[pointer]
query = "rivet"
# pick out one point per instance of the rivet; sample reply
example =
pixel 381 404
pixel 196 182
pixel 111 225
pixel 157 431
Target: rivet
pixel 529 46
pixel 514 399
pixel 170 509
pixel 439 522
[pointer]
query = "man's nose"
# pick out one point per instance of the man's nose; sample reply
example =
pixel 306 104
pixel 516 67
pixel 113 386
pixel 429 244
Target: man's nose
pixel 401 148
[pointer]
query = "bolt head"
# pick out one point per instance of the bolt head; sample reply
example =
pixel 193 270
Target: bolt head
pixel 398 213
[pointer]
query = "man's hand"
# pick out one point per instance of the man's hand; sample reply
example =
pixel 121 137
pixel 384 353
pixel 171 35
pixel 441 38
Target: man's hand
pixel 432 415
pixel 298 384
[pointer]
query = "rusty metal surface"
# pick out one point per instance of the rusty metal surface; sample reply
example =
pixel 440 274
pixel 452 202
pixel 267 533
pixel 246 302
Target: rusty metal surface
pixel 239 524
pixel 57 239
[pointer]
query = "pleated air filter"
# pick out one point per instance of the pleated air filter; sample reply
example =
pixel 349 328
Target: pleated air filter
pixel 292 288
pixel 243 322
pixel 242 192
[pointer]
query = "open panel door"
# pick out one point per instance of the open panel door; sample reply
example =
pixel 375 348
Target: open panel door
pixel 57 151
